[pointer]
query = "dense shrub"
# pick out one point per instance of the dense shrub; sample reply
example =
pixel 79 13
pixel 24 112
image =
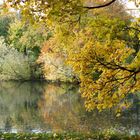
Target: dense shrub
pixel 13 65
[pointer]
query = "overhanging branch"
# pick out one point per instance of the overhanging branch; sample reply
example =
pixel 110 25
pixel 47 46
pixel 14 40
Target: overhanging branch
pixel 100 6
pixel 132 28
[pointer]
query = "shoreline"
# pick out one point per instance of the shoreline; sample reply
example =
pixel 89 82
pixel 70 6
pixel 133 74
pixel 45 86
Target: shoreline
pixel 67 136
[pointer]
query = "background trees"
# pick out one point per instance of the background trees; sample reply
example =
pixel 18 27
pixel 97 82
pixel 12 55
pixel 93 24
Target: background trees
pixel 28 39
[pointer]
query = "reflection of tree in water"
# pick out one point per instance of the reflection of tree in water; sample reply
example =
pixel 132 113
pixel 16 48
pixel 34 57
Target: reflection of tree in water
pixel 58 107
pixel 18 101
pixel 62 109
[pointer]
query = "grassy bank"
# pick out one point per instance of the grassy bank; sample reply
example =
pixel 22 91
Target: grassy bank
pixel 65 136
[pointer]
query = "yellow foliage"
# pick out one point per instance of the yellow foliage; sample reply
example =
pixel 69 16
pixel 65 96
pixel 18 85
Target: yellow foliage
pixel 107 75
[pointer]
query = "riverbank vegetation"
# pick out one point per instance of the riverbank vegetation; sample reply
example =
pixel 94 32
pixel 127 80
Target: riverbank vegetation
pixel 66 136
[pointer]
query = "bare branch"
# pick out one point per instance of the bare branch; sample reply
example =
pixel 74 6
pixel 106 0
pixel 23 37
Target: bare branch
pixel 100 6
pixel 132 28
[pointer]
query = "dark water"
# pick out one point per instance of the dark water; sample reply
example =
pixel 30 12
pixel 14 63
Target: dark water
pixel 41 107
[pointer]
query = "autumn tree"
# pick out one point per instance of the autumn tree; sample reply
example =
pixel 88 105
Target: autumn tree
pixel 107 63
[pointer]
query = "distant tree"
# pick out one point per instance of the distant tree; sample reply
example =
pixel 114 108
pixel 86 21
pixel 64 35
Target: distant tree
pixel 5 21
pixel 27 38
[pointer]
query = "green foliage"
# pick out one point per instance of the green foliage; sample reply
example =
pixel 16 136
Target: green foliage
pixel 67 136
pixel 27 38
pixel 5 20
pixel 4 23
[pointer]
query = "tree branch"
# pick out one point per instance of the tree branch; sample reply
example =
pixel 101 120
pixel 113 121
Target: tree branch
pixel 132 28
pixel 100 6
pixel 114 66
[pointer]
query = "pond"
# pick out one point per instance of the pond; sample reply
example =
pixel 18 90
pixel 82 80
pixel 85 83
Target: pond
pixel 44 107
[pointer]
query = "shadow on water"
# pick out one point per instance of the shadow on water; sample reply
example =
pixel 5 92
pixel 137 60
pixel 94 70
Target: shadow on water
pixel 43 107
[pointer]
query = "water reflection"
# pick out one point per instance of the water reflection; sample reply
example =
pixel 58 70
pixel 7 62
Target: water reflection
pixel 37 107
pixel 18 106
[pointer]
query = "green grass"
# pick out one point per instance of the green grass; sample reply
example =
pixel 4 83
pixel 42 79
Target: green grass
pixel 64 136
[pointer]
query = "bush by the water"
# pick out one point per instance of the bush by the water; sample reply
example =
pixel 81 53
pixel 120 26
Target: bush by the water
pixel 13 65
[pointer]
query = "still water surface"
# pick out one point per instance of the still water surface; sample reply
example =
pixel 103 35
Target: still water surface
pixel 42 107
